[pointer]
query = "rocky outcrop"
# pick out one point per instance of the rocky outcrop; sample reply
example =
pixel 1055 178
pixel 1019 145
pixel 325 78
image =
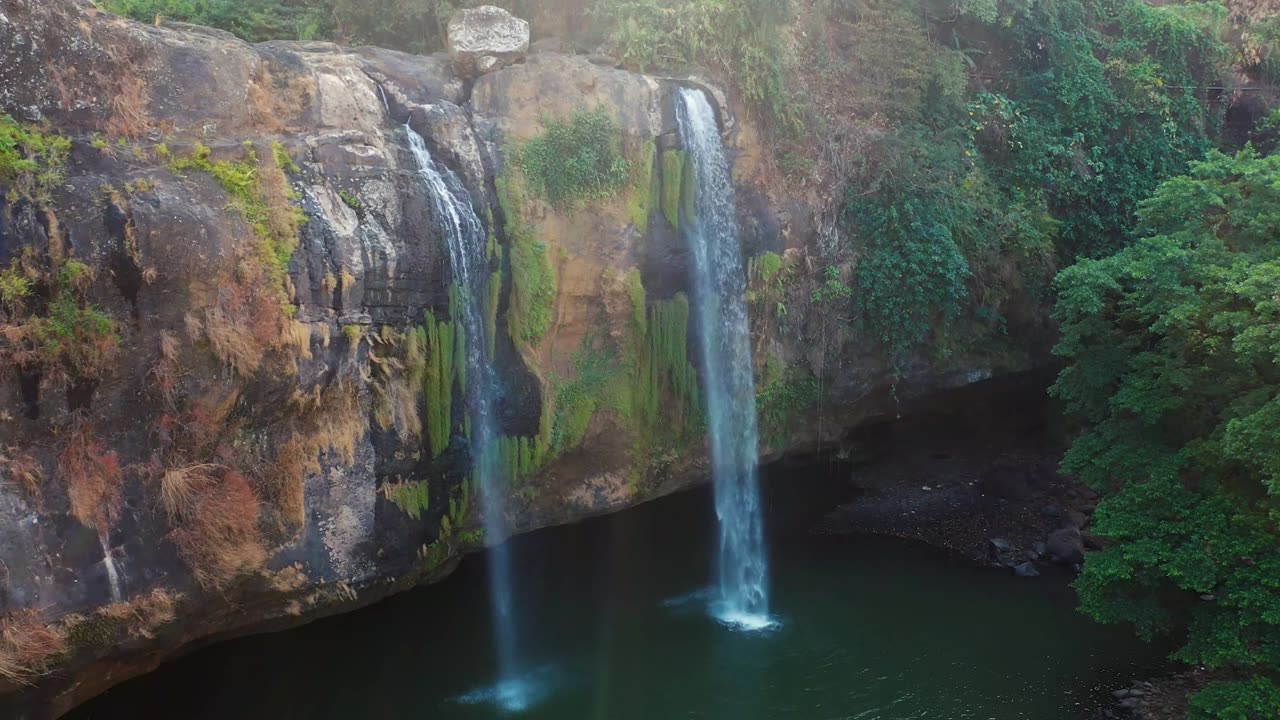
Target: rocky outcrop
pixel 256 454
pixel 486 38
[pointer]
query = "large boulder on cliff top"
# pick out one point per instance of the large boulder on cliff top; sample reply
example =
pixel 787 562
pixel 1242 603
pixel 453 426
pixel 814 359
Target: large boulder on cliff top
pixel 485 39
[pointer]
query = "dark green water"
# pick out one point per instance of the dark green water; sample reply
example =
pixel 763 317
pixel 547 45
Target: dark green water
pixel 612 628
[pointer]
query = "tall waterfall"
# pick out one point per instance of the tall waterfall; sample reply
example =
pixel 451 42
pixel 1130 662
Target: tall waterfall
pixel 456 217
pixel 720 284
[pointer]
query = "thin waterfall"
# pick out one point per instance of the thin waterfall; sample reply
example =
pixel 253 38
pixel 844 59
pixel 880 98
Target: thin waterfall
pixel 456 217
pixel 719 280
pixel 109 563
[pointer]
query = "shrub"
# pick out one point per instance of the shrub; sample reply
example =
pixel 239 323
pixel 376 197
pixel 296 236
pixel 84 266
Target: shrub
pixel 31 162
pixel 745 39
pixel 575 160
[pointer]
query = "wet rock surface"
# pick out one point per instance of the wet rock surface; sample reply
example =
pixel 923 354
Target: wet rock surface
pixel 976 481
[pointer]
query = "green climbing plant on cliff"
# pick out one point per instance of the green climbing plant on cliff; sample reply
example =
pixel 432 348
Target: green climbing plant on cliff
pixel 1173 365
pixel 575 160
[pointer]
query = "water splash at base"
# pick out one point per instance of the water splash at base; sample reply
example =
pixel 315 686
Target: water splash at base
pixel 515 694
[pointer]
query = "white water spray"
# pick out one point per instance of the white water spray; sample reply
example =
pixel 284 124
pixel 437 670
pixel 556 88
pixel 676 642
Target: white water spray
pixel 719 279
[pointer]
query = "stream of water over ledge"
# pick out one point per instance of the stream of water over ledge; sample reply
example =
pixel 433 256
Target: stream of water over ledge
pixel 616 629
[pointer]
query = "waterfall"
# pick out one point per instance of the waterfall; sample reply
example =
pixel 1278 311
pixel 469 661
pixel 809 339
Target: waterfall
pixel 720 297
pixel 109 563
pixel 456 217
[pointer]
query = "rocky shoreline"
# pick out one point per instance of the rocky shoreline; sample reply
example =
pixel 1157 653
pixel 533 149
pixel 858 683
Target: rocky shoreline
pixel 983 483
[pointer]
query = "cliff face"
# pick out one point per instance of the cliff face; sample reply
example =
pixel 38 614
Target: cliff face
pixel 262 440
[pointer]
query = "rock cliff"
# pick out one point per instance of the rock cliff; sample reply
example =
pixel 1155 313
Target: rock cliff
pixel 267 426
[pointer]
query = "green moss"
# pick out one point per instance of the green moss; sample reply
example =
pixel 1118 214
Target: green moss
pixel 414 498
pixel 351 201
pixel 460 504
pixel 94 632
pixel 437 339
pixel 578 398
pixel 672 185
pixel 353 333
pixel 456 309
pixel 533 280
pixel 689 191
pixel 282 159
pixel 276 228
pixel 31 162
pixel 491 301
pixel 640 203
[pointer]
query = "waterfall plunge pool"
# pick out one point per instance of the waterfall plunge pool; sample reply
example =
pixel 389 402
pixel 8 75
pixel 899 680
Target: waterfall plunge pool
pixel 616 628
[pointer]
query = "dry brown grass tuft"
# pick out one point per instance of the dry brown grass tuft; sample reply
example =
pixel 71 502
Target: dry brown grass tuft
pixel 219 538
pixel 272 105
pixel 166 372
pixel 130 114
pixel 27 645
pixel 93 477
pixel 25 470
pixel 180 488
pixel 145 614
pixel 298 335
pixel 397 406
pixel 331 421
pixel 229 341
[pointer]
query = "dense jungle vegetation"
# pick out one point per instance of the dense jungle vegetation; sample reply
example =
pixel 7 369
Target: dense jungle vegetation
pixel 971 150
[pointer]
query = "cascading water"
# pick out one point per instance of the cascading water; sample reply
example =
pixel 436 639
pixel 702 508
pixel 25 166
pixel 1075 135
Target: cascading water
pixel 729 378
pixel 456 217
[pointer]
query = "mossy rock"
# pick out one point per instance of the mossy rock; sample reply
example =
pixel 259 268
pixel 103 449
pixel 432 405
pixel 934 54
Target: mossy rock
pixel 673 176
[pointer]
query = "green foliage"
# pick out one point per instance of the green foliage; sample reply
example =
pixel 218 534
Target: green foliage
pixel 253 20
pixel 1257 697
pixel 575 160
pixel 15 289
pixel 414 498
pixel 351 201
pixel 673 162
pixel 56 331
pixel 261 198
pixel 533 280
pixel 1109 110
pixel 31 162
pixel 1173 352
pixel 742 38
pixel 782 404
pixel 941 241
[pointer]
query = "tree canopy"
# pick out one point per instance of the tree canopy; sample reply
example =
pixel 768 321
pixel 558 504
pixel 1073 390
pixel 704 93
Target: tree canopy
pixel 1173 363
